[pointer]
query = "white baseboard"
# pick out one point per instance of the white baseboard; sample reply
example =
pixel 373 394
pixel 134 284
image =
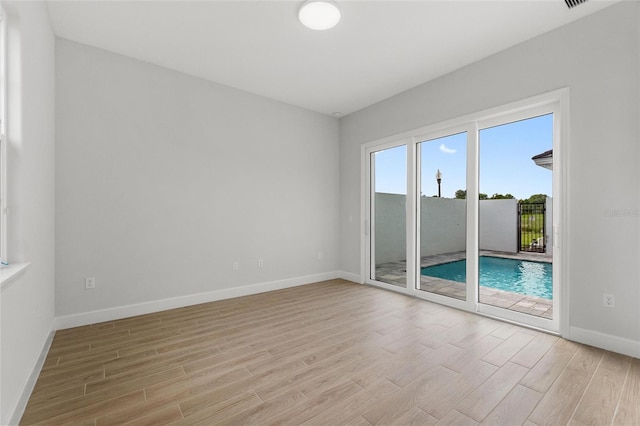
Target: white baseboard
pixel 605 341
pixel 18 410
pixel 351 277
pixel 111 314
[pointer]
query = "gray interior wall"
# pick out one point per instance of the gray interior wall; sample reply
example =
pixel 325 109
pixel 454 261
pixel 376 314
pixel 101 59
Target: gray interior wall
pixel 164 180
pixel 27 303
pixel 597 59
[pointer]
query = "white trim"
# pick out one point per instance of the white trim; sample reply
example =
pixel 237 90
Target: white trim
pixel 18 409
pixel 370 221
pixel 473 216
pixel 9 274
pixel 605 341
pixel 367 234
pixel 363 217
pixel 111 314
pixel 412 239
pixel 351 277
pixel 486 116
pixel 561 211
pixel 510 115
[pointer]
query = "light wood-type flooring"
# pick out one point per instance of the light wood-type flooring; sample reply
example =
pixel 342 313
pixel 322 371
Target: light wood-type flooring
pixel 331 353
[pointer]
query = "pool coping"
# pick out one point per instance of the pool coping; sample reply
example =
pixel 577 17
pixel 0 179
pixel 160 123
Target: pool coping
pixel 395 273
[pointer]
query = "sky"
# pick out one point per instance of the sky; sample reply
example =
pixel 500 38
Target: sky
pixel 505 162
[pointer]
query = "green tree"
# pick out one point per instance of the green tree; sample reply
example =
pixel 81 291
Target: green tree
pixel 502 197
pixel 535 198
pixel 461 194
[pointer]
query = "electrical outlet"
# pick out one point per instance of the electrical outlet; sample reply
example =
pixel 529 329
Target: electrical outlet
pixel 260 263
pixel 89 283
pixel 235 266
pixel 608 300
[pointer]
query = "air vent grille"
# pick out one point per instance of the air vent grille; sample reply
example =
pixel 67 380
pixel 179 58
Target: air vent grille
pixel 573 3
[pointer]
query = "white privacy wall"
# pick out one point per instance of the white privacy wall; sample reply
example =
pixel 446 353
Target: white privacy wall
pixel 597 59
pixel 164 180
pixel 390 228
pixel 442 226
pixel 499 225
pixel 27 303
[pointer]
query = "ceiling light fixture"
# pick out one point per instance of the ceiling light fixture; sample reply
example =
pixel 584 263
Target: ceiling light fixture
pixel 319 14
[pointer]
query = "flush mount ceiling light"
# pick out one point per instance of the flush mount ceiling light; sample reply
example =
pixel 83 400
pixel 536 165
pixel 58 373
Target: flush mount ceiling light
pixel 319 14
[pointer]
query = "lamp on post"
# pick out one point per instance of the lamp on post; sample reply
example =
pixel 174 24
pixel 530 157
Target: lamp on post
pixel 438 179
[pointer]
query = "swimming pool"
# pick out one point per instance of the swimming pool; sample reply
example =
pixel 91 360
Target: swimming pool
pixel 518 276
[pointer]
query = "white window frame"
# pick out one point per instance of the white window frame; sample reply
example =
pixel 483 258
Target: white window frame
pixel 556 102
pixel 369 230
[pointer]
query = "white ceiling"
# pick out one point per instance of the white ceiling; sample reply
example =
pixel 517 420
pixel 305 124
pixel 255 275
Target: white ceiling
pixel 379 48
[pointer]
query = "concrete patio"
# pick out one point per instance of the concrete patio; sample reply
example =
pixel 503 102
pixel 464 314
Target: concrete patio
pixel 395 273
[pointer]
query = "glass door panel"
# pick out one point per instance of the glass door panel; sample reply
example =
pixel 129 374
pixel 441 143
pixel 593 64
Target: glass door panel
pixel 442 216
pixel 515 216
pixel 389 216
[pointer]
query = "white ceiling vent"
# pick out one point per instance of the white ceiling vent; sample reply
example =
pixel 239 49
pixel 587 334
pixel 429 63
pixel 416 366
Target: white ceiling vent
pixel 574 3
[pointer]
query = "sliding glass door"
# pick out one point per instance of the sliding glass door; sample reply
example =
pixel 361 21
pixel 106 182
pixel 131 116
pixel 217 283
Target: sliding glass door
pixel 516 218
pixel 468 214
pixel 442 213
pixel 388 201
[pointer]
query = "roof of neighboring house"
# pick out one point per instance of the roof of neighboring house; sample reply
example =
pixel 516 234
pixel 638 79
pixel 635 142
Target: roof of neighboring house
pixel 544 160
pixel 546 154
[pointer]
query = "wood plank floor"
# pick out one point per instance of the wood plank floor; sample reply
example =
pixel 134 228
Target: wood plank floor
pixel 331 353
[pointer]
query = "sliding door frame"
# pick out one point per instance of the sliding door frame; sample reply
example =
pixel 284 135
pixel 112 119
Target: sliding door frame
pixel 434 134
pixel 507 117
pixel 369 206
pixel 556 102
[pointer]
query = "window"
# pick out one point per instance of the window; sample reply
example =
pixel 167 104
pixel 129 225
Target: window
pixel 432 232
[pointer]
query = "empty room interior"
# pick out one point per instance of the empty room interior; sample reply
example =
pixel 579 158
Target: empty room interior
pixel 227 212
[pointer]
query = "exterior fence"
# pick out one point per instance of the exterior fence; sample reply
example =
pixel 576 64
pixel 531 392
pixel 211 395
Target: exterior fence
pixel 532 227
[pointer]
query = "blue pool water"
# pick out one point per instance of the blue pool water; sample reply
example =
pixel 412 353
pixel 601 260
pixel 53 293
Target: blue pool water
pixel 518 276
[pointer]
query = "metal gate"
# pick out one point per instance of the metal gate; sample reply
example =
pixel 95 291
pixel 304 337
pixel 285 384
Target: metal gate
pixel 531 227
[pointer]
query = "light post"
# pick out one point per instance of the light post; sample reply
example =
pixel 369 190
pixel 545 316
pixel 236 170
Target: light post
pixel 438 179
